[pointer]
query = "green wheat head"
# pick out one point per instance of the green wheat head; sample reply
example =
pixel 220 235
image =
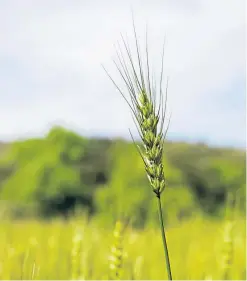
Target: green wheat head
pixel 116 256
pixel 149 116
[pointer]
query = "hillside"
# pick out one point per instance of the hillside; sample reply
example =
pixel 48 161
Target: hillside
pixel 107 177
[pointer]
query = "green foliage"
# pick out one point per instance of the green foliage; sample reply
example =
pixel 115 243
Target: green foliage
pixel 127 192
pixel 45 169
pixel 107 177
pixel 71 146
pixel 210 173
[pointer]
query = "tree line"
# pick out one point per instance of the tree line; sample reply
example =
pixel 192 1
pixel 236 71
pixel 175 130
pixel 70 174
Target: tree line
pixel 64 171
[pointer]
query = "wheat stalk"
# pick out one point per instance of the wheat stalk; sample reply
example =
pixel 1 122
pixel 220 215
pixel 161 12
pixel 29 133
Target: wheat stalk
pixel 149 119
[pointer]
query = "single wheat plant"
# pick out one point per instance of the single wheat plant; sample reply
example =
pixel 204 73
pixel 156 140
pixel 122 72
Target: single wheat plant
pixel 148 107
pixel 116 256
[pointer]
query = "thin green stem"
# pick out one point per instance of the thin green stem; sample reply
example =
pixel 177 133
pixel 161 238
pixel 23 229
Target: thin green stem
pixel 163 234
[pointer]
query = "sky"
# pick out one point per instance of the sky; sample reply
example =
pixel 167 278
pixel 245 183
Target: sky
pixel 51 56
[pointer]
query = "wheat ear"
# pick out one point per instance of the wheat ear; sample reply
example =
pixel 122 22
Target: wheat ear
pixel 116 256
pixel 149 119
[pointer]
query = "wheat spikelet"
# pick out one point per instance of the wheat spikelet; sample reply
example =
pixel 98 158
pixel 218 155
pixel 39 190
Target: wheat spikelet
pixel 149 118
pixel 116 256
pixel 227 257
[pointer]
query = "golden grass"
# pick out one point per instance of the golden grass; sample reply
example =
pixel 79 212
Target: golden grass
pixel 42 250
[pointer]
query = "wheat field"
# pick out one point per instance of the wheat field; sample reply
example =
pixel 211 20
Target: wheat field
pixel 79 249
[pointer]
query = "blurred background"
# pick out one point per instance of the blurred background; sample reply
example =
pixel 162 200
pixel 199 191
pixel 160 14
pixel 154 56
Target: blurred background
pixel 65 147
pixel 64 130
